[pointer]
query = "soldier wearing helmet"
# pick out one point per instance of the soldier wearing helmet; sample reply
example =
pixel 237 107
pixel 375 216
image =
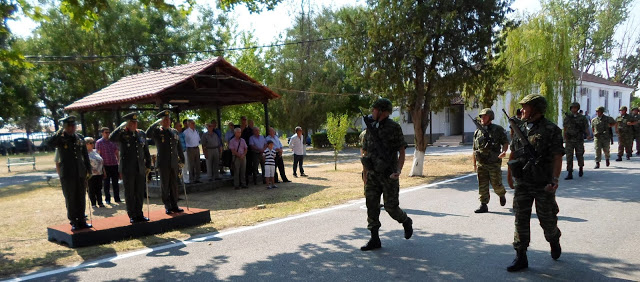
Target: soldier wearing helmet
pixel 576 126
pixel 624 129
pixel 383 154
pixel 488 151
pixel 635 113
pixel 536 178
pixel 601 128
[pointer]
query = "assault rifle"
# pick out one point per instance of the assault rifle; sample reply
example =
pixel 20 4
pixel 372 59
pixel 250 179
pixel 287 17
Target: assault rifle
pixel 527 151
pixel 379 146
pixel 485 133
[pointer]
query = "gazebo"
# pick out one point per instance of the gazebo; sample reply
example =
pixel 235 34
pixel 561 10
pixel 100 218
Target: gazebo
pixel 210 83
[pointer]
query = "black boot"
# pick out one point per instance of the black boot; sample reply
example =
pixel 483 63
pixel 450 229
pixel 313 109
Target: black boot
pixel 619 159
pixel 580 173
pixel 503 200
pixel 374 242
pixel 628 157
pixel 520 262
pixel 408 228
pixel 482 209
pixel 569 176
pixel 598 165
pixel 556 250
pixel 607 162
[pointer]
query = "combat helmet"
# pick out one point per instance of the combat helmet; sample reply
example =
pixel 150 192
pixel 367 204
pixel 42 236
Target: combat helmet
pixel 623 108
pixel 487 111
pixel 600 109
pixel 382 104
pixel 575 104
pixel 536 101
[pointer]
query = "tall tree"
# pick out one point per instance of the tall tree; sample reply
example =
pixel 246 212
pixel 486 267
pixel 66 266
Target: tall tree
pixel 418 52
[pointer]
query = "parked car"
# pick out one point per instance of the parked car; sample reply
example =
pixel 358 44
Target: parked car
pixel 44 146
pixel 6 147
pixel 22 145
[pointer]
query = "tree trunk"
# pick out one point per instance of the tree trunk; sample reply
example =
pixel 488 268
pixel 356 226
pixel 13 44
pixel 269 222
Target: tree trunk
pixel 418 112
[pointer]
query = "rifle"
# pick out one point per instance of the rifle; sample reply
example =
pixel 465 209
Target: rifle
pixel 367 162
pixel 528 152
pixel 485 133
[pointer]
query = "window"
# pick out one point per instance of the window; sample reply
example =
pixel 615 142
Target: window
pixel 604 93
pixel 616 94
pixel 446 115
pixel 606 103
pixel 408 117
pixel 585 91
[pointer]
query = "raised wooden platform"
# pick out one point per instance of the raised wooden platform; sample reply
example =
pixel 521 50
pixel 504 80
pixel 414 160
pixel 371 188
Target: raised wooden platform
pixel 117 228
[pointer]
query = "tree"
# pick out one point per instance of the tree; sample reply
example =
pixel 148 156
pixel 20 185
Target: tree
pixel 337 126
pixel 418 52
pixel 254 6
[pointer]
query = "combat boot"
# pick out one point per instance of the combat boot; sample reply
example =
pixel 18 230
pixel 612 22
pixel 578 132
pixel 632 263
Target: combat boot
pixel 374 242
pixel 569 176
pixel 607 162
pixel 408 228
pixel 503 200
pixel 520 262
pixel 556 250
pixel 619 159
pixel 628 157
pixel 598 165
pixel 580 172
pixel 482 209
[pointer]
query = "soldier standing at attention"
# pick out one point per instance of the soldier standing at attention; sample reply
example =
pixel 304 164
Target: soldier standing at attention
pixel 536 178
pixel 382 143
pixel 135 162
pixel 170 159
pixel 624 129
pixel 600 126
pixel 75 168
pixel 488 152
pixel 635 113
pixel 576 126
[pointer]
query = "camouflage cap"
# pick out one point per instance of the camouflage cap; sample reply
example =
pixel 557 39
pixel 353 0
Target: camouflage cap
pixel 487 111
pixel 575 104
pixel 382 104
pixel 635 109
pixel 600 109
pixel 536 101
pixel 623 108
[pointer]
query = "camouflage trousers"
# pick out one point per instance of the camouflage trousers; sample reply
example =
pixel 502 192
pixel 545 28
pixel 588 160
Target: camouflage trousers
pixel 489 173
pixel 602 144
pixel 546 210
pixel 625 142
pixel 636 136
pixel 380 184
pixel 578 147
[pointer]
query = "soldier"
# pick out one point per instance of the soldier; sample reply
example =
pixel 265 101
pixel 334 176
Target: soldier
pixel 576 127
pixel 624 129
pixel 170 159
pixel 74 168
pixel 135 163
pixel 488 151
pixel 382 142
pixel 601 125
pixel 536 178
pixel 635 113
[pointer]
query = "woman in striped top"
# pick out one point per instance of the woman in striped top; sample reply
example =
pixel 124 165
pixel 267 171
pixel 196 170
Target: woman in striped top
pixel 269 164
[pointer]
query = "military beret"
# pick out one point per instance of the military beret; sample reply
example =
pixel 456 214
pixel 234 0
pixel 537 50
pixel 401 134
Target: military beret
pixel 71 120
pixel 131 116
pixel 623 108
pixel 164 113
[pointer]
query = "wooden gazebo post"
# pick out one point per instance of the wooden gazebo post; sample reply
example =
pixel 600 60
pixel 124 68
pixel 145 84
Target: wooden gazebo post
pixel 266 119
pixel 84 126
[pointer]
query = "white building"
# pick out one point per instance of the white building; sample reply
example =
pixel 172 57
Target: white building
pixel 591 92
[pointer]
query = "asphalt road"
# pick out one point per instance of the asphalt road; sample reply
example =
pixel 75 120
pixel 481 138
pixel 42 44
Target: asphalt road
pixel 599 218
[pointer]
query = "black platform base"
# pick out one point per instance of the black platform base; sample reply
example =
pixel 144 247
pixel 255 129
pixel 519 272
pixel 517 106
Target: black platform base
pixel 106 230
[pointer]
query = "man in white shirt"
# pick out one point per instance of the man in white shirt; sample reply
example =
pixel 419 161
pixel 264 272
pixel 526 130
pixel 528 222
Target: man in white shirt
pixel 277 145
pixel 192 140
pixel 299 150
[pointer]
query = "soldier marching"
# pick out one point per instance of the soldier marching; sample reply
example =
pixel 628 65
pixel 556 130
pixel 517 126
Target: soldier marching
pixel 576 127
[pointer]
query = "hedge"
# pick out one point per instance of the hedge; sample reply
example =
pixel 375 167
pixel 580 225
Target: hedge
pixel 320 140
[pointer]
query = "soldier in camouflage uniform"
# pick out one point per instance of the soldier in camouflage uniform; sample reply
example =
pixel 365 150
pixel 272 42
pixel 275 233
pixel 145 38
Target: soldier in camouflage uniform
pixel 536 178
pixel 75 168
pixel 488 152
pixel 624 129
pixel 601 125
pixel 170 159
pixel 135 163
pixel 382 143
pixel 576 126
pixel 635 113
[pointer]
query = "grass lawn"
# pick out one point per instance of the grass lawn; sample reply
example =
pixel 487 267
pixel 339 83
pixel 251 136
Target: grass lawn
pixel 28 209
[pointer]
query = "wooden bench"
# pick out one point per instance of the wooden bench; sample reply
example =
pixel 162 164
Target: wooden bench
pixel 21 161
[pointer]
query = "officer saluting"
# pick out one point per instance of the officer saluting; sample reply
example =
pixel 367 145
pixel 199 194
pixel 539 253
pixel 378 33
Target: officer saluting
pixel 74 169
pixel 134 163
pixel 170 157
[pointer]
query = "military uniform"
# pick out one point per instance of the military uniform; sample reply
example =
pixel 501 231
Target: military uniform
pixel 601 135
pixel 381 145
pixel 636 130
pixel 486 150
pixel 134 162
pixel 170 156
pixel 625 134
pixel 530 182
pixel 575 126
pixel 74 169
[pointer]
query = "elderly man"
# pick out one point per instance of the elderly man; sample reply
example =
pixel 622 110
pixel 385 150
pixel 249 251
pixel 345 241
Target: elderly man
pixel 277 145
pixel 299 150
pixel 183 144
pixel 212 148
pixel 257 144
pixel 109 153
pixel 229 134
pixel 192 140
pixel 239 150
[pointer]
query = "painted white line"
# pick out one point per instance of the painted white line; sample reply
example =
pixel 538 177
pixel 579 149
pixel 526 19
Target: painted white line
pixel 216 235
